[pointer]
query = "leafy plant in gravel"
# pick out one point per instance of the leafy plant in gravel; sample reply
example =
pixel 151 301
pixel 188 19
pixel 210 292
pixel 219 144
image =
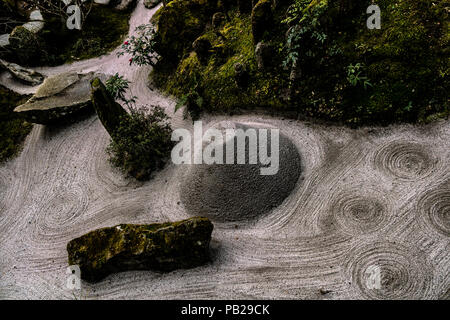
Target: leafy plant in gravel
pixel 117 86
pixel 142 142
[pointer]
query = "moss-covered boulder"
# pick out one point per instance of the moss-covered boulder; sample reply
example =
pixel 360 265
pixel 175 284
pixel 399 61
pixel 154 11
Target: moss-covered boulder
pixel 26 45
pixel 264 54
pixel 179 23
pixel 202 47
pixel 108 110
pixel 161 247
pixel 262 19
pixel 61 98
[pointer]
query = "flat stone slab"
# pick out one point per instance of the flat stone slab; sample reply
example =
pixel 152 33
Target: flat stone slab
pixel 62 97
pixel 29 76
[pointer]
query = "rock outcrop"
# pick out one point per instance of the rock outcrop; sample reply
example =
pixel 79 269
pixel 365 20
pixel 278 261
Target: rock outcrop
pixel 150 4
pixel 202 47
pixel 161 247
pixel 264 54
pixel 26 75
pixel 26 45
pixel 179 23
pixel 262 19
pixel 108 110
pixel 63 97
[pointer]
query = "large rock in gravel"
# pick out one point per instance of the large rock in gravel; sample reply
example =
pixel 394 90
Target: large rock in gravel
pixel 64 97
pixel 26 75
pixel 26 45
pixel 108 110
pixel 161 247
pixel 238 192
pixel 262 19
pixel 179 23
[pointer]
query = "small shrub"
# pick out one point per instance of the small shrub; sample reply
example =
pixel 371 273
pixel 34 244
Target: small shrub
pixel 142 143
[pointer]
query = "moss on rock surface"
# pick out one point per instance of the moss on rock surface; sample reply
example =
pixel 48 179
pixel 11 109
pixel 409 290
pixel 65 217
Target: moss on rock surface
pixel 179 23
pixel 162 247
pixel 26 45
pixel 342 72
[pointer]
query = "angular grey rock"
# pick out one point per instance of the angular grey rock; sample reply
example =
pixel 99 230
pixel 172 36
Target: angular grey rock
pixel 108 110
pixel 63 97
pixel 27 75
pixel 161 247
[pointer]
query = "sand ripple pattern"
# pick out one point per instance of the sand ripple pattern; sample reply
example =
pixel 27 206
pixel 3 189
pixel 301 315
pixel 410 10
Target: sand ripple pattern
pixel 408 161
pixel 403 273
pixel 434 210
pixel 366 197
pixel 357 212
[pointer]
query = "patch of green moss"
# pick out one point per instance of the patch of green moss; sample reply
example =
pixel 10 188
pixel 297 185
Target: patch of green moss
pixel 13 129
pixel 179 23
pixel 103 31
pixel 403 68
pixel 232 44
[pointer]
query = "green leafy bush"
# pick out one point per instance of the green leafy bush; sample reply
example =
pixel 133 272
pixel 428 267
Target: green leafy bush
pixel 142 143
